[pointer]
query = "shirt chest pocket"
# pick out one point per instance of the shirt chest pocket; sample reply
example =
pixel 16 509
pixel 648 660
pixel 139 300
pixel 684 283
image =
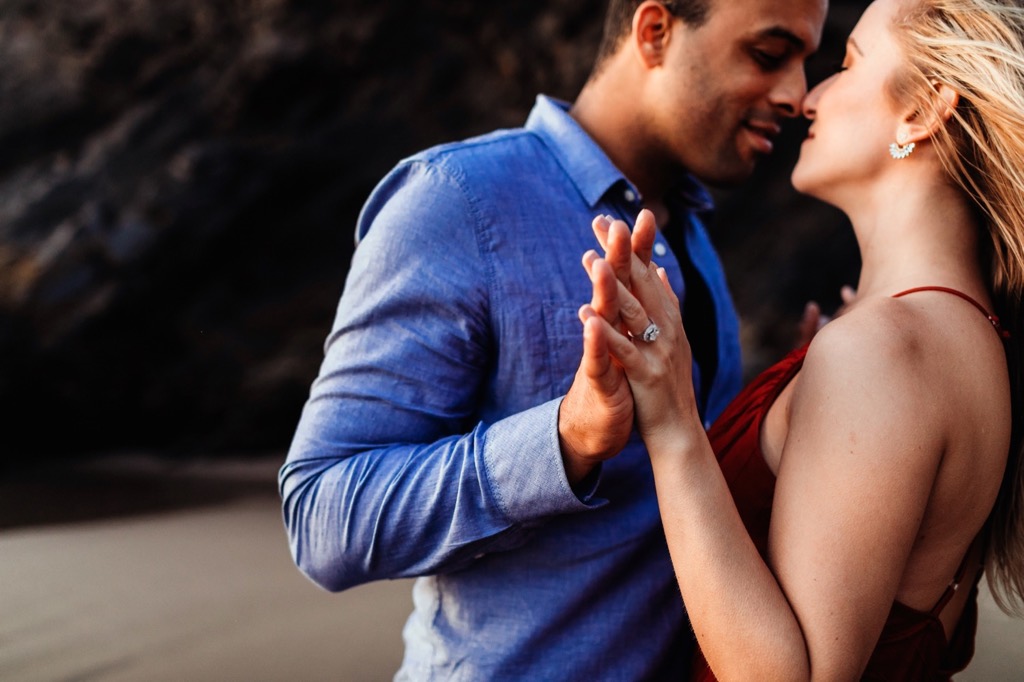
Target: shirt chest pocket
pixel 563 334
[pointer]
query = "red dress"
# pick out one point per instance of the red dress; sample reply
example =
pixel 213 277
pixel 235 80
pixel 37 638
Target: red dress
pixel 913 644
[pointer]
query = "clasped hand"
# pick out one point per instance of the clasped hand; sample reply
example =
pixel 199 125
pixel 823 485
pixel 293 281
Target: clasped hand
pixel 623 378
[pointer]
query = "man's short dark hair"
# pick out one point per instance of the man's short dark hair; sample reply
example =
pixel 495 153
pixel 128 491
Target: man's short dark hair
pixel 619 21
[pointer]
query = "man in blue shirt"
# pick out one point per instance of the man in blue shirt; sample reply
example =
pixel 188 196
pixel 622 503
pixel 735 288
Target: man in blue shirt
pixel 449 434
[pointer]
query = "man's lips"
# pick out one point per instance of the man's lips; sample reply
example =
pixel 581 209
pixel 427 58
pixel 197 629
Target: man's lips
pixel 762 134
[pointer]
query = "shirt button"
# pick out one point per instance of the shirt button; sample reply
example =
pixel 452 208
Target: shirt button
pixel 659 249
pixel 629 195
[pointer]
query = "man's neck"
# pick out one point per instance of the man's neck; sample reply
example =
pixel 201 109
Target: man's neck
pixel 606 109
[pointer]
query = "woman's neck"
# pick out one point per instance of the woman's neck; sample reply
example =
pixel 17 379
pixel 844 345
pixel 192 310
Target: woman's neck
pixel 916 233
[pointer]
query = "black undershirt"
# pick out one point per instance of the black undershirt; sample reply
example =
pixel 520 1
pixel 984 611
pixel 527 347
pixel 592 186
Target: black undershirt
pixel 698 314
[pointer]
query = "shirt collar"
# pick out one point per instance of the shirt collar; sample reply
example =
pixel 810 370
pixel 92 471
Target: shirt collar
pixel 694 195
pixel 586 164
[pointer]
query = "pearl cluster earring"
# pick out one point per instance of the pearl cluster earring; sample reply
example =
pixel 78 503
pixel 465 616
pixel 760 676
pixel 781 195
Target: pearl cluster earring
pixel 901 150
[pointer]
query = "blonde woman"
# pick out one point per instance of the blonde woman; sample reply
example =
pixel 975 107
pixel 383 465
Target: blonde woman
pixel 834 522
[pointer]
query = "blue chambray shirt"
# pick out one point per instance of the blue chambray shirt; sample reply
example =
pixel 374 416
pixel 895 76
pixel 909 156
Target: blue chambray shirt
pixel 429 443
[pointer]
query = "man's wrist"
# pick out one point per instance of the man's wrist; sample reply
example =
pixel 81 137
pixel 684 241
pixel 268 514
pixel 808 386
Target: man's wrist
pixel 585 487
pixel 577 468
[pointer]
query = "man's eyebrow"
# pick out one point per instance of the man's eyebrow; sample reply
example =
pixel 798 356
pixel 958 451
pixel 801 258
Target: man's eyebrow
pixel 784 34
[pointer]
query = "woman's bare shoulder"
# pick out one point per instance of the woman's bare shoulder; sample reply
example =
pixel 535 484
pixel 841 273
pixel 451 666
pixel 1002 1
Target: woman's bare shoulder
pixel 916 337
pixel 876 369
pixel 924 360
pixel 880 335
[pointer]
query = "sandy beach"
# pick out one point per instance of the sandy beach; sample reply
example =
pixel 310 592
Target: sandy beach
pixel 188 577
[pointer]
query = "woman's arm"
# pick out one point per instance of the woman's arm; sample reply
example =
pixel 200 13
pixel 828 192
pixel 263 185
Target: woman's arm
pixel 854 481
pixel 861 457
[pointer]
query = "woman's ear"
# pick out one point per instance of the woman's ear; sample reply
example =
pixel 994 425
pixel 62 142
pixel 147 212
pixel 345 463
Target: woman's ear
pixel 924 122
pixel 652 28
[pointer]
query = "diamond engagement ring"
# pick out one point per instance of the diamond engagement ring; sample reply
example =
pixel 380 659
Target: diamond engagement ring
pixel 651 333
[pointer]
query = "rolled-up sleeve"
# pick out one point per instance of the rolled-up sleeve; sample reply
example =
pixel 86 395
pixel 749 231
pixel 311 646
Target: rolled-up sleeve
pixel 391 472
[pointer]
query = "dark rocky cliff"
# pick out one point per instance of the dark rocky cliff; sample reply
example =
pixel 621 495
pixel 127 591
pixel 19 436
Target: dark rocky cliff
pixel 179 182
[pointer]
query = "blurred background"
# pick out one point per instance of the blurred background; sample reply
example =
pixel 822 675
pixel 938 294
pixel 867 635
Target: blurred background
pixel 179 183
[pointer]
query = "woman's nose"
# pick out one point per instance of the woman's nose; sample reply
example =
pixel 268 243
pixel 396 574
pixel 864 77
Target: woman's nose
pixel 809 107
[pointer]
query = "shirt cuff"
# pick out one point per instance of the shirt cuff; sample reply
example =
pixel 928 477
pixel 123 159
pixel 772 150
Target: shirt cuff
pixel 523 461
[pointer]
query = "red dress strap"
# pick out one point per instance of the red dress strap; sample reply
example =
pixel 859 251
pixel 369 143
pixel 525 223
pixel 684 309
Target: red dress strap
pixel 954 585
pixel 991 318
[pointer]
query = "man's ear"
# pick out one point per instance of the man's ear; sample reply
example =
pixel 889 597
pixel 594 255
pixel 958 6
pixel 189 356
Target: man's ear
pixel 652 28
pixel 925 122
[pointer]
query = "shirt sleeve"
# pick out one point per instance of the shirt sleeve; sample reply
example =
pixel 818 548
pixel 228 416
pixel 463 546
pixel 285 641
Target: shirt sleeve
pixel 391 473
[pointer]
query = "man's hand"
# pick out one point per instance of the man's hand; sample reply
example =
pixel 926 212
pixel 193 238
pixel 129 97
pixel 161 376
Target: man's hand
pixel 596 415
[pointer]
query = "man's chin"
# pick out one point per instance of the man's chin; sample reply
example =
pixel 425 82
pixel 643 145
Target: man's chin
pixel 730 175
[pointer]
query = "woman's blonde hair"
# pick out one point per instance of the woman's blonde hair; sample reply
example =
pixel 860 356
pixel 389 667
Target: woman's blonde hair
pixel 976 47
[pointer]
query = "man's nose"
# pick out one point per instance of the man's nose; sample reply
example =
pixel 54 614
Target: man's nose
pixel 788 95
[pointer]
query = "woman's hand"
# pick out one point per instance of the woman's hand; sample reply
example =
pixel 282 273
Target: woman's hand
pixel 596 416
pixel 659 371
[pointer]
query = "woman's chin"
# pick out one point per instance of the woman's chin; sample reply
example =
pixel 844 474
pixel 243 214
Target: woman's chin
pixel 822 191
pixel 806 181
pixel 801 181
